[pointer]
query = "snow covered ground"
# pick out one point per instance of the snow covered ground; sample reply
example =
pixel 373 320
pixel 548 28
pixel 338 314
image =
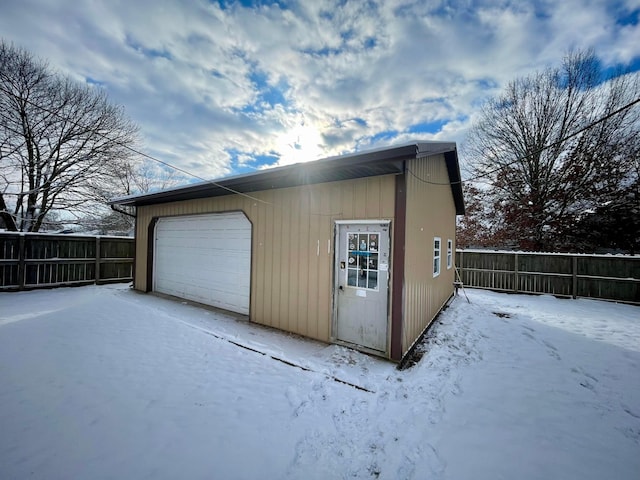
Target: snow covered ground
pixel 102 382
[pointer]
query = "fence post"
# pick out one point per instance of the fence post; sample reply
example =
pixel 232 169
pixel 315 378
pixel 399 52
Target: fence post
pixel 575 277
pixel 516 278
pixel 97 274
pixel 22 253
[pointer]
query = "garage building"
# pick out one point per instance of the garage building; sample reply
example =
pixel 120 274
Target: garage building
pixel 356 250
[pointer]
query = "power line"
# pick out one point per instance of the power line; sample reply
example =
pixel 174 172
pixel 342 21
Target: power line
pixel 535 152
pixel 194 175
pixel 231 190
pixel 145 155
pixel 68 221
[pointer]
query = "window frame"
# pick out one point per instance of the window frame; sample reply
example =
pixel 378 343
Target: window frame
pixel 371 250
pixel 437 256
pixel 449 253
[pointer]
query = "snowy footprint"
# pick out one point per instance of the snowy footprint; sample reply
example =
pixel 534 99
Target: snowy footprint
pixel 297 404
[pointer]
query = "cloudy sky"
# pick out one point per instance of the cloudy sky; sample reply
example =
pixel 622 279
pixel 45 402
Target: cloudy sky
pixel 228 86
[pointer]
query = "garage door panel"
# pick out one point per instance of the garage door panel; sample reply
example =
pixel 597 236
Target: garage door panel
pixel 205 258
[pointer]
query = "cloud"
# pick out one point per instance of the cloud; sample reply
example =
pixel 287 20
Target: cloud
pixel 223 87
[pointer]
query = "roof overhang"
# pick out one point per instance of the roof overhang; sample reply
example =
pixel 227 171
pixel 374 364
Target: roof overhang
pixel 385 161
pixel 455 180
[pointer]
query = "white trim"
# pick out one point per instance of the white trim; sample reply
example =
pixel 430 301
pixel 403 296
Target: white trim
pixel 449 253
pixel 361 222
pixel 437 257
pixel 205 258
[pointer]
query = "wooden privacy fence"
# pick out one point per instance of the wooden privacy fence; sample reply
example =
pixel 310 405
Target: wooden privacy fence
pixel 33 260
pixel 607 277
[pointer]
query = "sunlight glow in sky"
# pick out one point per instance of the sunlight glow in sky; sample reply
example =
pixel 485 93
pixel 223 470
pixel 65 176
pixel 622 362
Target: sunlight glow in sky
pixel 225 87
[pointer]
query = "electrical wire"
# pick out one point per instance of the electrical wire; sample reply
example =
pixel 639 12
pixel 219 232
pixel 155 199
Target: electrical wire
pixel 535 152
pixel 481 175
pixel 138 152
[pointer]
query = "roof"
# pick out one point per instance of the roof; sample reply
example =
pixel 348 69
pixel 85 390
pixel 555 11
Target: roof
pixel 383 161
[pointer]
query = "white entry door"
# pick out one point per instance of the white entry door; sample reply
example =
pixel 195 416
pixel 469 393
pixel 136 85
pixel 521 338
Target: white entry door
pixel 205 258
pixel 362 284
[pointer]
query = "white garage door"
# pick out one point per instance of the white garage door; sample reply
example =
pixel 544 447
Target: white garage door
pixel 205 258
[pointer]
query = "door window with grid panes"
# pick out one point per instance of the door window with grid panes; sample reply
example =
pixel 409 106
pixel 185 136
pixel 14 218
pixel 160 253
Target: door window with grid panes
pixel 362 259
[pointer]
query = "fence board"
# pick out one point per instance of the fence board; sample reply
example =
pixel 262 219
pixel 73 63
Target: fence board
pixel 567 275
pixel 36 260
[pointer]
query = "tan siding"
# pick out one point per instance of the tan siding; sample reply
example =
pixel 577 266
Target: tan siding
pixel 430 213
pixel 291 279
pixel 283 258
pixel 388 202
pixel 373 198
pixel 360 199
pixel 303 267
pixel 313 259
pixel 279 256
pixel 335 201
pixel 325 262
pixel 267 269
pixel 294 268
pixel 140 262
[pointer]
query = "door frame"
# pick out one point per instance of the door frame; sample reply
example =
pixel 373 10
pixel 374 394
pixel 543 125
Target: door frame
pixel 334 288
pixel 152 257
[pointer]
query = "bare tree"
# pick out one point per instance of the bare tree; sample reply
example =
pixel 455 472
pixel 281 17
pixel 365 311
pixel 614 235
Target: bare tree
pixel 540 177
pixel 130 178
pixel 60 142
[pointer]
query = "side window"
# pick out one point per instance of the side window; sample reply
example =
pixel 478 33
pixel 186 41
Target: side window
pixel 449 253
pixel 437 242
